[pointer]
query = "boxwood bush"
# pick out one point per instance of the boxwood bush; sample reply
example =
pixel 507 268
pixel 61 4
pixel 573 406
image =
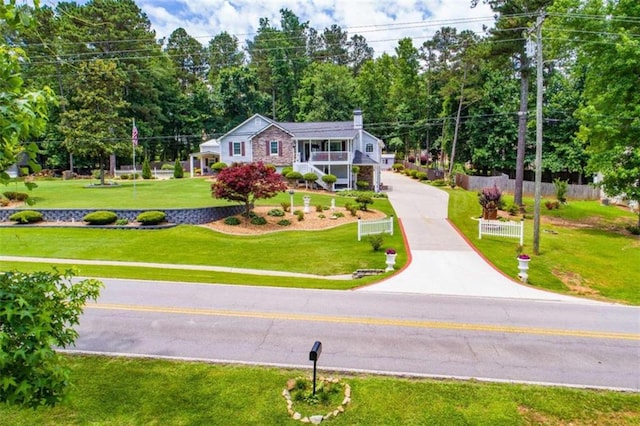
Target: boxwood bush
pixel 16 196
pixel 26 216
pixel 152 217
pixel 232 220
pixel 101 217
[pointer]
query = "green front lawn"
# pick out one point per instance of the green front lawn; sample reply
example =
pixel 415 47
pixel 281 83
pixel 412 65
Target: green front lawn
pixel 110 391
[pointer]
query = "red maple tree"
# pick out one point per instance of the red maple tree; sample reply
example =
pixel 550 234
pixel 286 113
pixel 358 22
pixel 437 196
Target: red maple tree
pixel 246 183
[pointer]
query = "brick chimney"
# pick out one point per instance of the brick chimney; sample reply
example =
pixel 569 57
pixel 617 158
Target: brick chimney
pixel 357 119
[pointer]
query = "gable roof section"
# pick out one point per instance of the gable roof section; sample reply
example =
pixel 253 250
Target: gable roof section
pixel 267 123
pixel 322 130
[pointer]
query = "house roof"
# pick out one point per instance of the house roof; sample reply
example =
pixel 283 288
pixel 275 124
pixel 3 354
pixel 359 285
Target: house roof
pixel 363 160
pixel 321 130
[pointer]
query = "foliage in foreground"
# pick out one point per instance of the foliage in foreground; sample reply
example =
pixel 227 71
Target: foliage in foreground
pixel 38 311
pixel 135 392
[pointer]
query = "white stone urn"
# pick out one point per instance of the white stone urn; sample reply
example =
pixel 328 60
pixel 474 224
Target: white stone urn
pixel 523 267
pixel 391 259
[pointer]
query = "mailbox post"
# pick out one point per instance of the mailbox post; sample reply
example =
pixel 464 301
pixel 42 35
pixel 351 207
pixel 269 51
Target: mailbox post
pixel 316 350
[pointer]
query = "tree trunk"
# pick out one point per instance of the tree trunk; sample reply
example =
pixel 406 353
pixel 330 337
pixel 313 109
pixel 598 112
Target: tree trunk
pixel 522 127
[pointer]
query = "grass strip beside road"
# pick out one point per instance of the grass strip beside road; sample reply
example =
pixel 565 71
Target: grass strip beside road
pixel 191 276
pixel 117 391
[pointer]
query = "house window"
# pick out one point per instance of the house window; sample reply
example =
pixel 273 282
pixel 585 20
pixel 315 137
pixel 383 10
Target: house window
pixel 273 148
pixel 237 149
pixel 369 147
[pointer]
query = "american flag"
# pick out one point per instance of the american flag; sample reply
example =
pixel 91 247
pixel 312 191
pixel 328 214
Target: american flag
pixel 134 135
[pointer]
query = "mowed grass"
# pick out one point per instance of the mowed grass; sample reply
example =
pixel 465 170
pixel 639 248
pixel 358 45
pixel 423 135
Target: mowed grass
pixel 113 391
pixel 334 251
pixel 145 194
pixel 584 250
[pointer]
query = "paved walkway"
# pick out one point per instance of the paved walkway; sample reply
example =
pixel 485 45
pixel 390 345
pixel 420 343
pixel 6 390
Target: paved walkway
pixel 442 262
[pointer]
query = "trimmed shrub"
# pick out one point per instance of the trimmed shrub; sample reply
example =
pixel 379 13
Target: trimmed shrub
pixel 397 167
pixel 218 166
pixel 363 201
pixel 4 201
pixel 338 214
pixel 362 185
pixel 26 216
pixel 124 177
pixel 293 177
pixel 167 166
pixel 101 217
pixel 284 222
pixel 286 170
pixel 310 178
pixel 232 220
pixel 258 220
pixel 178 171
pixel 146 169
pixel 276 212
pixel 286 206
pixel 421 176
pixel 300 215
pixel 320 208
pixel 122 222
pixel 152 217
pixel 16 196
pixel 330 180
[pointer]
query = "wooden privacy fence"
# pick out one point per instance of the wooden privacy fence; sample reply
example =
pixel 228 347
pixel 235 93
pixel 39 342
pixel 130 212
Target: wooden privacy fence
pixel 370 227
pixel 510 229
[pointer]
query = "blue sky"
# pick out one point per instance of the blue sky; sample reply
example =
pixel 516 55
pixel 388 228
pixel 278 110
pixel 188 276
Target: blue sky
pixel 381 22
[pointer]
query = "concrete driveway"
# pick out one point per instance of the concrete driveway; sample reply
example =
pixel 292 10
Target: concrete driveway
pixel 441 261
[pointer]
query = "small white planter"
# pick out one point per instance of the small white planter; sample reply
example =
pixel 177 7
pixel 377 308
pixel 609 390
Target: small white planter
pixel 523 267
pixel 391 261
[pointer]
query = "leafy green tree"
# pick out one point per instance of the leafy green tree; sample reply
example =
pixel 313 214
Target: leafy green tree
pixel 39 311
pixel 247 183
pixel 599 35
pixel 238 96
pixel 223 52
pixel 327 93
pixel 24 112
pixel 93 124
pixel 373 90
pixel 188 56
pixel 280 59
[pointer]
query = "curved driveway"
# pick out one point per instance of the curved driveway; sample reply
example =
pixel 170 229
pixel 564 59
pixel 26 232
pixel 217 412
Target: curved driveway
pixel 442 262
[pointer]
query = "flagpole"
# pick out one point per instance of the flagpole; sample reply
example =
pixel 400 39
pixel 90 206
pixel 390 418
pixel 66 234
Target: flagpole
pixel 134 142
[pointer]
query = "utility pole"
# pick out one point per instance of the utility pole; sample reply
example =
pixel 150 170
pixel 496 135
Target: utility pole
pixel 539 94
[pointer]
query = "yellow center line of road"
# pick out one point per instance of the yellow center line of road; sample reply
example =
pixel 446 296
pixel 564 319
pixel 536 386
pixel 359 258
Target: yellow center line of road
pixel 394 322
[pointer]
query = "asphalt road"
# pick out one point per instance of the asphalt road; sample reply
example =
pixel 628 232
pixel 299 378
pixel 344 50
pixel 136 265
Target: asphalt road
pixel 586 345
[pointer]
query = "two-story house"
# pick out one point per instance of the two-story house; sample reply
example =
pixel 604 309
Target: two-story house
pixel 318 147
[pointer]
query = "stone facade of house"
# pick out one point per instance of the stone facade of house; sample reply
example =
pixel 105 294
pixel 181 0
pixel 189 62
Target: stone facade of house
pixel 262 150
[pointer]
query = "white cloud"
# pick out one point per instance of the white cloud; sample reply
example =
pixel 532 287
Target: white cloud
pixel 381 22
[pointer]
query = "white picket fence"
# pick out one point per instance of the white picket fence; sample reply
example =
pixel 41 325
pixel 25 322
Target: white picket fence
pixel 370 227
pixel 498 228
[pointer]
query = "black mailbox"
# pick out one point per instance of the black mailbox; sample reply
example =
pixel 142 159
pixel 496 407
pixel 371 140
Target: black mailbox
pixel 316 350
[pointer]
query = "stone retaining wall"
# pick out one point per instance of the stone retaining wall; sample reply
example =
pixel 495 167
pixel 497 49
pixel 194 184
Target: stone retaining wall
pixel 192 216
